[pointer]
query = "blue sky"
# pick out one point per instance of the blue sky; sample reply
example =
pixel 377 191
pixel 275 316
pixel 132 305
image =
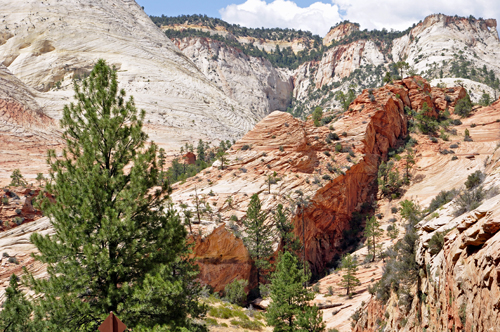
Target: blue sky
pixel 209 7
pixel 319 15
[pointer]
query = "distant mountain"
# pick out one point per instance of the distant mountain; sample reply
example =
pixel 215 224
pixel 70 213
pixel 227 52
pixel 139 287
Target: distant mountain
pixel 442 49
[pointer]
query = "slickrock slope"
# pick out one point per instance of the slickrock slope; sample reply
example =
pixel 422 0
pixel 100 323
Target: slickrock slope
pixel 440 37
pixel 254 82
pixel 335 183
pixel 48 43
pixel 460 284
pixel 26 132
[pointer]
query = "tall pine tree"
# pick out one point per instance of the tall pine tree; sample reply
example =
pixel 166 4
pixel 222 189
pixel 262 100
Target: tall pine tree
pixel 258 241
pixel 289 309
pixel 372 233
pixel 16 310
pixel 115 248
pixel 349 279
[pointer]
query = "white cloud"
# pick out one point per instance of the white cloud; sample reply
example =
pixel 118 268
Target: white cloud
pixel 320 16
pixel 401 14
pixel 317 18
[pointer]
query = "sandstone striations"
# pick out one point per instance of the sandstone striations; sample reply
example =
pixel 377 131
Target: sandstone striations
pixel 340 32
pixel 53 42
pixel 254 82
pixel 26 132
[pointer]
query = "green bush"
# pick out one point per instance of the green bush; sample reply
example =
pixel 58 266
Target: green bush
pixel 338 147
pixel 463 107
pixel 474 179
pixel 317 115
pixel 469 200
pixel 436 243
pixel 441 199
pixel 211 321
pixel 235 291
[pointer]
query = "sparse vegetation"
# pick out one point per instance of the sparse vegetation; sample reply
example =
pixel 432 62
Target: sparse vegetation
pixel 235 291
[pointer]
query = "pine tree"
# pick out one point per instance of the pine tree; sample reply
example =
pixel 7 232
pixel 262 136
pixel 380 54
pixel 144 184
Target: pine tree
pixel 16 310
pixel 289 309
pixel 161 158
pixel 372 233
pixel 409 162
pixel 289 240
pixel 350 267
pixel 222 157
pixel 17 178
pixel 259 239
pixel 115 248
pixel 40 178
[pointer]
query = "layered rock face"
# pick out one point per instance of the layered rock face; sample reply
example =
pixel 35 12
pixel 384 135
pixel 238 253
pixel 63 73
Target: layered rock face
pixel 50 43
pixel 26 132
pixel 254 82
pixel 459 285
pixel 304 162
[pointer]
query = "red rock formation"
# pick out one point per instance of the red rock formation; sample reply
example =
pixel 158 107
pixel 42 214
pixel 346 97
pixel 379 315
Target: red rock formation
pixel 222 258
pixel 299 152
pixel 189 158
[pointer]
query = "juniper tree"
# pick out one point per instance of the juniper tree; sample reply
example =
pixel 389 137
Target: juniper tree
pixel 259 237
pixel 372 233
pixel 289 309
pixel 115 248
pixel 349 279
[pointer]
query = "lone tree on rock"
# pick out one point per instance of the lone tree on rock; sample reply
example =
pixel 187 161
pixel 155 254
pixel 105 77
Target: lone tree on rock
pixel 372 233
pixel 349 279
pixel 115 248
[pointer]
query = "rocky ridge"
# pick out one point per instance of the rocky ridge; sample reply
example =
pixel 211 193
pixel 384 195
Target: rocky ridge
pixel 459 284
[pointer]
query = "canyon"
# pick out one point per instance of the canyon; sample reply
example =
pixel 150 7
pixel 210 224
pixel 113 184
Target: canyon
pixel 322 173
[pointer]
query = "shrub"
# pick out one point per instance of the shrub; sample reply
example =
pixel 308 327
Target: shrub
pixel 211 321
pixel 436 243
pixel 235 291
pixel 18 220
pixel 441 199
pixel 5 200
pixel 454 146
pixel 338 147
pixel 394 209
pixel 233 218
pixel 468 200
pixel 463 107
pixel 333 136
pixel 327 153
pixel 474 179
pixel 330 290
pixel 13 260
pixel 245 147
pixel 454 158
pixel 327 177
pixel 425 123
pixel 281 148
pixel 315 288
pixel 456 122
pixel 344 134
pixel 5 254
pixel 317 115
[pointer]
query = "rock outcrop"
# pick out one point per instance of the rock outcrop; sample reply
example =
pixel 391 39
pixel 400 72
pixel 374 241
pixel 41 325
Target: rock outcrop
pixel 254 82
pixel 335 176
pixel 53 42
pixel 26 132
pixel 340 32
pixel 459 285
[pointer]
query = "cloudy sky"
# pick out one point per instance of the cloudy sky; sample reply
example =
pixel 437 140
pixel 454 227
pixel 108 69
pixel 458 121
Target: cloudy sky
pixel 319 16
